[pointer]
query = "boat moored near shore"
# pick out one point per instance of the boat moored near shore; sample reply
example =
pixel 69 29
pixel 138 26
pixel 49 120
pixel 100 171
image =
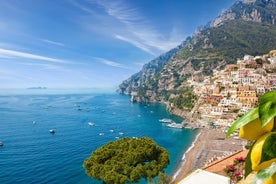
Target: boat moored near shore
pixel 165 120
pixel 175 125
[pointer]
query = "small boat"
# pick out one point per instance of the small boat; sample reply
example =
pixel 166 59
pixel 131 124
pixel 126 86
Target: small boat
pixel 101 134
pixel 52 131
pixel 166 120
pixel 111 130
pixel 91 123
pixel 1 143
pixel 175 125
pixel 121 133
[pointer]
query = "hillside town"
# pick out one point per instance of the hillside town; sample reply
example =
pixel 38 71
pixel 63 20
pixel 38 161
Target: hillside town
pixel 225 96
pixel 233 91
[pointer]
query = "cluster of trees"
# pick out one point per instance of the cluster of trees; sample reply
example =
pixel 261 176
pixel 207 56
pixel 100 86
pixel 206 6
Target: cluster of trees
pixel 213 47
pixel 230 41
pixel 127 160
pixel 185 100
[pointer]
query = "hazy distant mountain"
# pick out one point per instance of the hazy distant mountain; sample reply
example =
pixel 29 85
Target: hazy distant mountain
pixel 248 27
pixel 39 87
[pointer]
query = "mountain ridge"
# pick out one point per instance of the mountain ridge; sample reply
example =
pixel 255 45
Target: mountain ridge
pixel 218 44
pixel 249 10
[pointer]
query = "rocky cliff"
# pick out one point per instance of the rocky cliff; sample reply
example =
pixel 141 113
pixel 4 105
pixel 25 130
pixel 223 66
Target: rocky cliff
pixel 262 11
pixel 248 27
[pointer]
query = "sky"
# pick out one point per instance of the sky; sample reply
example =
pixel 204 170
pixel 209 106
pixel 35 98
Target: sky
pixel 92 43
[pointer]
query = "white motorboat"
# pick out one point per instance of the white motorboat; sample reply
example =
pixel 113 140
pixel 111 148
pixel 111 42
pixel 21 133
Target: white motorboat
pixel 166 120
pixel 175 125
pixel 91 123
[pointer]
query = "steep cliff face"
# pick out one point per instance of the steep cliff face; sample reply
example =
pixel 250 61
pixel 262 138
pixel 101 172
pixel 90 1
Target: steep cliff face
pixel 248 27
pixel 132 84
pixel 262 11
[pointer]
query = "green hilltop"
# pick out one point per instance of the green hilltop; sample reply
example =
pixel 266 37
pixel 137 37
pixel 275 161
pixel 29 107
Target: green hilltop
pixel 248 27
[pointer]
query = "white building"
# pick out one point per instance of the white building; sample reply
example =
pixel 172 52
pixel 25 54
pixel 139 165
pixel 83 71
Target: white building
pixel 200 176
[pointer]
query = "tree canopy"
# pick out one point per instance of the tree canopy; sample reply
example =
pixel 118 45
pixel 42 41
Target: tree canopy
pixel 126 160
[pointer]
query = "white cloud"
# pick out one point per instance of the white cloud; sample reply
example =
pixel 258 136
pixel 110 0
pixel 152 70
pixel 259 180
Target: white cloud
pixel 82 7
pixel 130 26
pixel 53 42
pixel 16 54
pixel 47 66
pixel 111 63
pixel 135 43
pixel 4 56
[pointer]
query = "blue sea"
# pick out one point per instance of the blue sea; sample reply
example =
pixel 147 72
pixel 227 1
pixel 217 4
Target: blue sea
pixel 32 155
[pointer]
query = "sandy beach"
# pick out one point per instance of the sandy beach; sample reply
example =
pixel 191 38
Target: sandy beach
pixel 210 144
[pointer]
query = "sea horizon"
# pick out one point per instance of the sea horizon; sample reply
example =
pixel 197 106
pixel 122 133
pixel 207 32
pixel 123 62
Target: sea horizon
pixel 40 90
pixel 32 155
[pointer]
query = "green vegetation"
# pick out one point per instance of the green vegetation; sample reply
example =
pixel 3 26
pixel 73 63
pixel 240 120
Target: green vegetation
pixel 230 41
pixel 127 160
pixel 259 125
pixel 162 179
pixel 179 80
pixel 211 48
pixel 185 100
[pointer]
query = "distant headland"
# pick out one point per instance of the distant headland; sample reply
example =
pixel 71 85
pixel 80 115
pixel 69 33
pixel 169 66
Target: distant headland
pixel 39 87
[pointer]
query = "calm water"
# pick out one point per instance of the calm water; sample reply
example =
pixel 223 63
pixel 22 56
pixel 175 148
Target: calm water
pixel 32 155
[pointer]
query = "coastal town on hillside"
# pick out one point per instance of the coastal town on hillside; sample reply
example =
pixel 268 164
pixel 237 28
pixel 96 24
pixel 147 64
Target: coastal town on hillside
pixel 233 91
pixel 224 97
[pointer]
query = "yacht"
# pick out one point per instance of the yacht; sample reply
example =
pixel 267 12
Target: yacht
pixel 91 123
pixel 166 120
pixel 52 131
pixel 175 125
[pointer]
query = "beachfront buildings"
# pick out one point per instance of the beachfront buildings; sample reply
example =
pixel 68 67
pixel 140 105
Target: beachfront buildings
pixel 235 90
